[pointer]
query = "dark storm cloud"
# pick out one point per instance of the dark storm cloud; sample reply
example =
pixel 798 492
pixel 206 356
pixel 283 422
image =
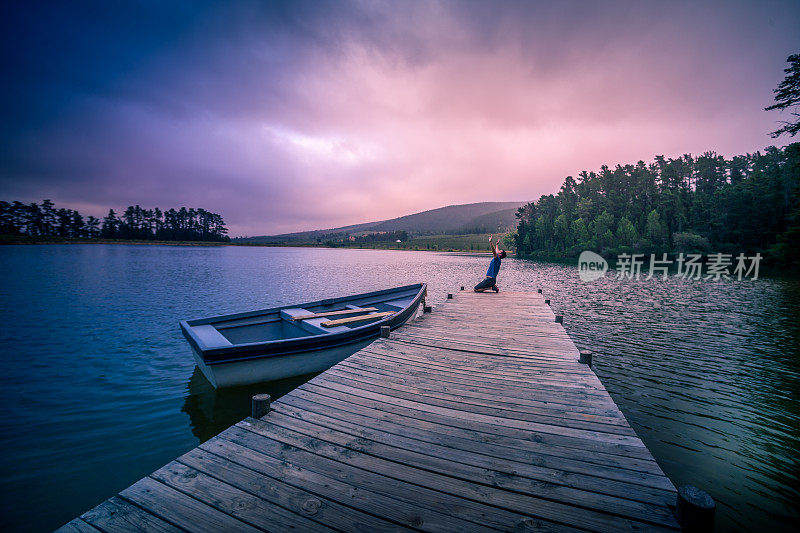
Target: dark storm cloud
pixel 284 116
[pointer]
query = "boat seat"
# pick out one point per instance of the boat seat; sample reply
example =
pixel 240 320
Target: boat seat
pixel 312 325
pixel 401 303
pixel 209 336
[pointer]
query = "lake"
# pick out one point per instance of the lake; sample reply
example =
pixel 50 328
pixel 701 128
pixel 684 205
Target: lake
pixel 99 388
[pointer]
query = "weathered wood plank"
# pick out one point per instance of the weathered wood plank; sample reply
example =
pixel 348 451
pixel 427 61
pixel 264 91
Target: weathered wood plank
pixel 254 510
pixel 257 452
pixel 118 516
pixel 592 492
pixel 513 366
pixel 181 510
pixel 547 390
pixel 564 378
pixel 373 510
pixel 430 405
pixel 275 482
pixel 472 441
pixel 77 526
pixel 353 319
pixel 530 362
pixel 583 401
pixel 510 437
pixel 485 481
pixel 334 313
pixel 472 494
pixel 473 398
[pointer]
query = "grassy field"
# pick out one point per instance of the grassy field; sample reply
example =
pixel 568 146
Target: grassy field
pixel 450 243
pixel 477 242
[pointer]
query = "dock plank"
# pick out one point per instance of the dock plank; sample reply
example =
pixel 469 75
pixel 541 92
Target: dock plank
pixel 259 452
pixel 344 505
pixel 472 441
pixel 77 526
pixel 497 488
pixel 451 395
pixel 462 420
pixel 179 509
pixel 533 480
pixel 118 516
pixel 439 426
pixel 255 510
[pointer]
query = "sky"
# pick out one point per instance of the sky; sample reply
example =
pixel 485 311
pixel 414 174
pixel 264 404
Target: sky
pixel 288 116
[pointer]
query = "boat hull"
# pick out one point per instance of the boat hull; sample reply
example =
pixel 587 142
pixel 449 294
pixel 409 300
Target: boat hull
pixel 260 370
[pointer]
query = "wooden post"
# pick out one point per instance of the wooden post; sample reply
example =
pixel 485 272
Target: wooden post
pixel 695 509
pixel 449 296
pixel 261 405
pixel 462 287
pixel 559 319
pixel 427 309
pixel 539 291
pixel 385 331
pixel 547 302
pixel 586 357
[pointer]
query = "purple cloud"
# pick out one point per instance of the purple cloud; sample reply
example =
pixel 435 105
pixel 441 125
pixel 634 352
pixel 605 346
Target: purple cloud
pixel 305 115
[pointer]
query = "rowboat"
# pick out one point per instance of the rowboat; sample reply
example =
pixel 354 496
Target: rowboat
pixel 281 342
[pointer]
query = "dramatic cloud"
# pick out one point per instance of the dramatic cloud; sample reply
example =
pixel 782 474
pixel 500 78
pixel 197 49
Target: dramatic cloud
pixel 303 115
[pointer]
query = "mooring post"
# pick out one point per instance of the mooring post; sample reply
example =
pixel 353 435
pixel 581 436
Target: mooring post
pixel 539 291
pixel 559 319
pixel 695 509
pixel 449 296
pixel 462 287
pixel 586 357
pixel 261 405
pixel 385 330
pixel 547 302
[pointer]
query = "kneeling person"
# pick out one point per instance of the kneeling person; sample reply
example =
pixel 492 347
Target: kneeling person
pixel 490 282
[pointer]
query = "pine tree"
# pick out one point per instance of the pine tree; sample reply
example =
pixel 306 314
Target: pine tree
pixel 787 96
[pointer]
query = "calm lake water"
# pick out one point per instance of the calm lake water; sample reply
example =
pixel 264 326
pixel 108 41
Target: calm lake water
pixel 98 388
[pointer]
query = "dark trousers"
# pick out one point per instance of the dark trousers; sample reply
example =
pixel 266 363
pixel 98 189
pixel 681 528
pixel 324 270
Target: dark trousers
pixel 487 283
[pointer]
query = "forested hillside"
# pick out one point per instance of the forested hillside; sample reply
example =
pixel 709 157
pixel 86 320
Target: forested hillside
pixel 706 204
pixel 483 217
pixel 454 219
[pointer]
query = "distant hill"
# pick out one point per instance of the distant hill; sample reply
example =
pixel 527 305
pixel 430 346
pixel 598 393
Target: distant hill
pixel 496 221
pixel 484 217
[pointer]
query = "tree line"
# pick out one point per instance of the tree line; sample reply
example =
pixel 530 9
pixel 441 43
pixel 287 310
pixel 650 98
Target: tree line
pixel 135 223
pixel 750 203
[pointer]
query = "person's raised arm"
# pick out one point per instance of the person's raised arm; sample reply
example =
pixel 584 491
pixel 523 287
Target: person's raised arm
pixel 493 247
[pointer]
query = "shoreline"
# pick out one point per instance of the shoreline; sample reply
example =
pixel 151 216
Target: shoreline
pixel 38 242
pixel 35 241
pixel 771 271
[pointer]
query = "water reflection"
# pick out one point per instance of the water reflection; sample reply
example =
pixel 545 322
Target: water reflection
pixel 211 411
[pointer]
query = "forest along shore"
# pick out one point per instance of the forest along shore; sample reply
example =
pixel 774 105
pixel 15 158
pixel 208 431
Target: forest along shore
pixel 44 222
pixel 706 204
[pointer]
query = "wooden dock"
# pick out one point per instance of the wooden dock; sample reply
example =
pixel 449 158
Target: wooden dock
pixel 475 417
